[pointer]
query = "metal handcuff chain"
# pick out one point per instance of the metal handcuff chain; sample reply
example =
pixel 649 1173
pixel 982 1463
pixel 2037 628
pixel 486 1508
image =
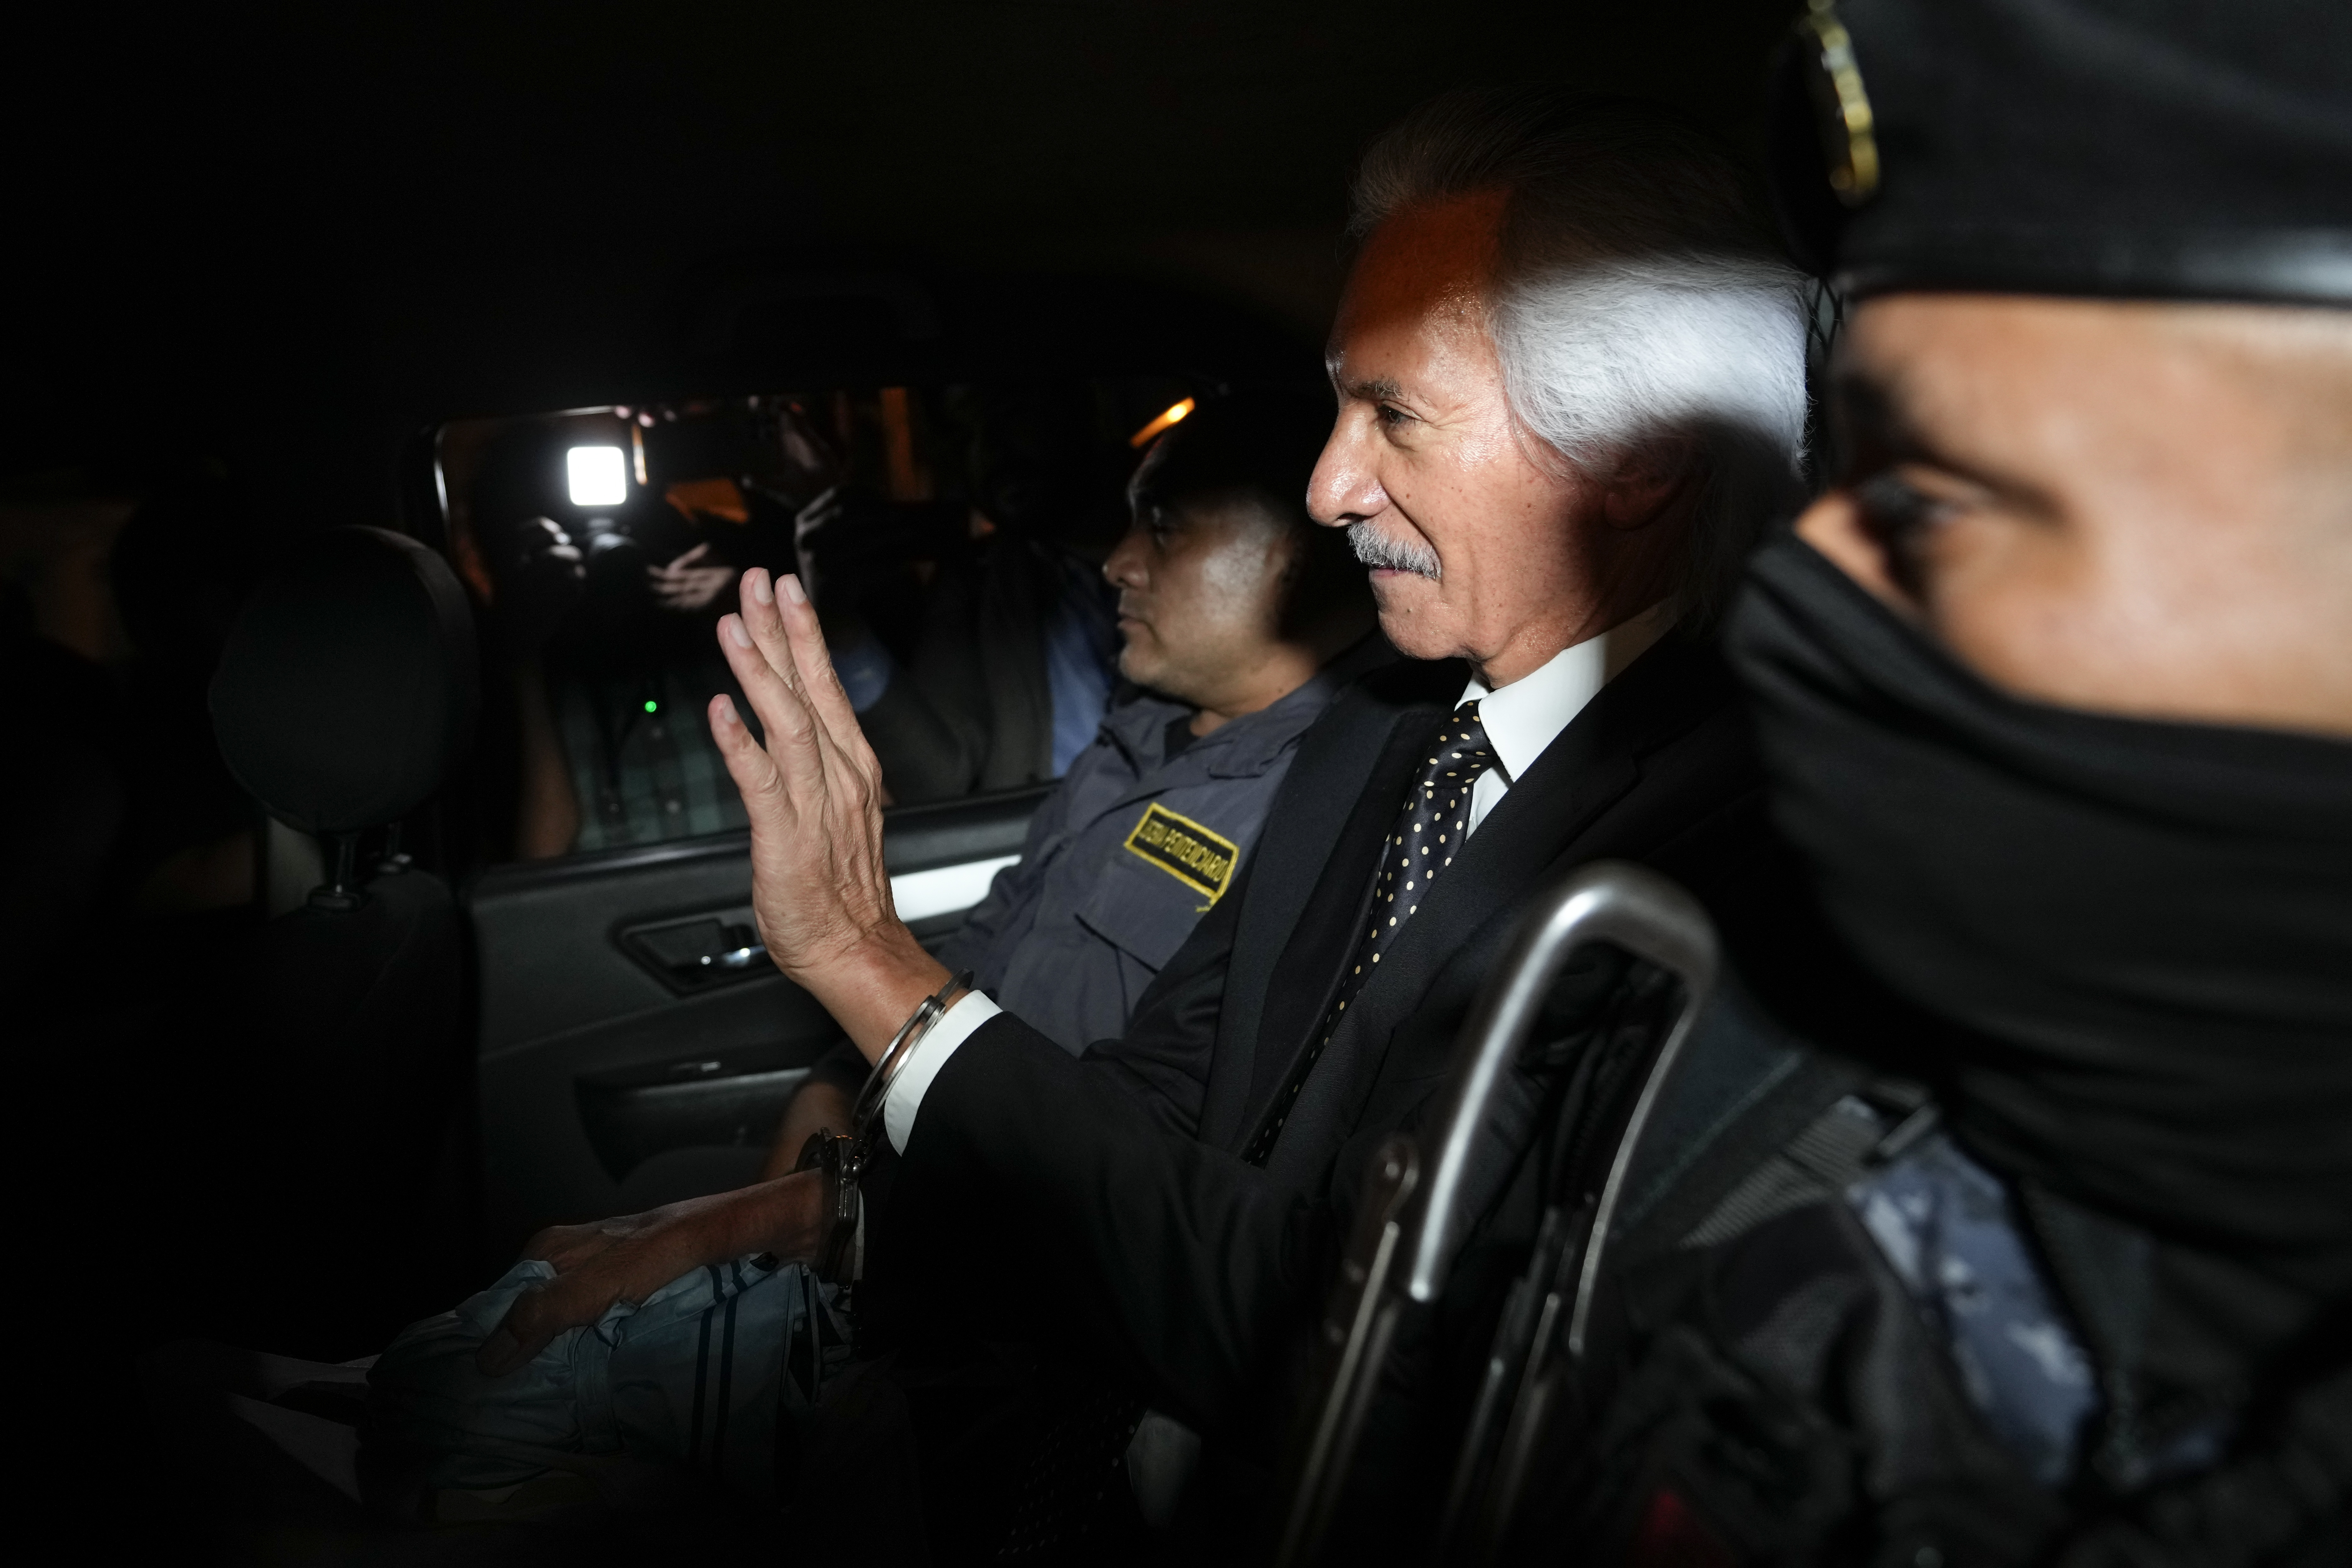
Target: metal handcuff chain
pixel 842 1157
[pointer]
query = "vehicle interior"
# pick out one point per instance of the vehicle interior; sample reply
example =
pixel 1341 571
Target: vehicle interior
pixel 484 960
pixel 629 1043
pixel 387 440
pixel 634 1046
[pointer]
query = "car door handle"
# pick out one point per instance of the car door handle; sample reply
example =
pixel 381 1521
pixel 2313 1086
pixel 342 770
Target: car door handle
pixel 696 952
pixel 725 947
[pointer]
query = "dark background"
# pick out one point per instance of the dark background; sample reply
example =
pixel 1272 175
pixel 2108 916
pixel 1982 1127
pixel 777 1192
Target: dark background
pixel 287 240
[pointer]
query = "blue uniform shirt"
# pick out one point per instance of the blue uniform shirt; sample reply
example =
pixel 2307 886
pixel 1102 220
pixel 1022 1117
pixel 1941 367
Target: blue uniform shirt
pixel 1128 852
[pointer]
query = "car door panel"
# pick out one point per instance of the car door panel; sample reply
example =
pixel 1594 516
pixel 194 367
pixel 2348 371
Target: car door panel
pixel 616 1070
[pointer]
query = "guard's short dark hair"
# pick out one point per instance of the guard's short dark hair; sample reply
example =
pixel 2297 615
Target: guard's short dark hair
pixel 1261 445
pixel 1258 443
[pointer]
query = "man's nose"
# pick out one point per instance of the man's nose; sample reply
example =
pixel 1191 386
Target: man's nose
pixel 1123 567
pixel 1345 487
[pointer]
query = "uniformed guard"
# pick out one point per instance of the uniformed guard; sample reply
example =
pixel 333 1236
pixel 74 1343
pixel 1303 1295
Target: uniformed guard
pixel 1999 1210
pixel 1145 834
pixel 1239 621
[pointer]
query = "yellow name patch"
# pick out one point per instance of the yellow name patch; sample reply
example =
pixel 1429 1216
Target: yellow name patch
pixel 1187 851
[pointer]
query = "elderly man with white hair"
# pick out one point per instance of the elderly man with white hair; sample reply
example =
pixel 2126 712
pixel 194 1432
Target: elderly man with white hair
pixel 1570 369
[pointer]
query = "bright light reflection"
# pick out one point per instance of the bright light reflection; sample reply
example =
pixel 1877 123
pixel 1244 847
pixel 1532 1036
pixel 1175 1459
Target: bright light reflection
pixel 600 476
pixel 943 890
pixel 1174 412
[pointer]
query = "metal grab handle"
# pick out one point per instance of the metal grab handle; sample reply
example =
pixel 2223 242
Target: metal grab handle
pixel 1488 1482
pixel 1421 1202
pixel 1609 901
pixel 1354 1343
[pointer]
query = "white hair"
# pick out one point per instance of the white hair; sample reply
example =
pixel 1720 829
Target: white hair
pixel 1606 359
pixel 1597 357
pixel 1637 308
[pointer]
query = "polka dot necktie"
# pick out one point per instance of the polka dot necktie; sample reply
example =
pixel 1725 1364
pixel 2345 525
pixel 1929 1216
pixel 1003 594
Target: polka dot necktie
pixel 1428 831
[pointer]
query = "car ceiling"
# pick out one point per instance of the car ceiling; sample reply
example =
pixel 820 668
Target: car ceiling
pixel 287 244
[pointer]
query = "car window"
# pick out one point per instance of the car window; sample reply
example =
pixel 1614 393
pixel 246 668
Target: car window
pixel 951 537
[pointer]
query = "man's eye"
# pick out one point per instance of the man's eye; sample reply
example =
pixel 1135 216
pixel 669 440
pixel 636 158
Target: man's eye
pixel 1896 508
pixel 1392 416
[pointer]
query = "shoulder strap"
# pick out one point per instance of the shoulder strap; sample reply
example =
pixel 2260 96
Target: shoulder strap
pixel 1745 1091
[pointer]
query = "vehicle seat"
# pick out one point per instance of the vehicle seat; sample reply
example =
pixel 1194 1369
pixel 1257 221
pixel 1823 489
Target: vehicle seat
pixel 348 689
pixel 62 804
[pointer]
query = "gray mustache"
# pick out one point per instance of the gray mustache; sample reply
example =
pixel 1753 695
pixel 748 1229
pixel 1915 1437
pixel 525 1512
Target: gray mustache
pixel 1375 548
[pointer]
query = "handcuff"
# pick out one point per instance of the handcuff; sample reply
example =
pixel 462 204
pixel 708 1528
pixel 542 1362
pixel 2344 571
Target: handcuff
pixel 842 1158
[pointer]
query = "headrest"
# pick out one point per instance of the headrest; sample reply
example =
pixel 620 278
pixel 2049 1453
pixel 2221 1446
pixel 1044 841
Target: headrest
pixel 348 686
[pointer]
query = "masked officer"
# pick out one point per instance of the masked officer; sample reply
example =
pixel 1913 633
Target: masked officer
pixel 2014 1223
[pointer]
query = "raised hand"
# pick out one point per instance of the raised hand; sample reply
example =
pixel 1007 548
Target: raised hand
pixel 814 793
pixel 690 582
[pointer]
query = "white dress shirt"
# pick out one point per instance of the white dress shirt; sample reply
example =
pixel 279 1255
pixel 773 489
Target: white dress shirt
pixel 1522 719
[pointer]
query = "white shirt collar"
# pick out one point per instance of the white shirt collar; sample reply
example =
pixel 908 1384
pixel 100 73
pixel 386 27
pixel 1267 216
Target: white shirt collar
pixel 1528 714
pixel 1525 716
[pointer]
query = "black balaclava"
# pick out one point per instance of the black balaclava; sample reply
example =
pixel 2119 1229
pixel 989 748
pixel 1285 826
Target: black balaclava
pixel 2138 932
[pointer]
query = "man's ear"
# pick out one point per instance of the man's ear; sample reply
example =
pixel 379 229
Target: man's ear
pixel 1647 484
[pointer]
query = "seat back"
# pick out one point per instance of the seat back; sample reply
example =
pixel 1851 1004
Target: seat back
pixel 347 691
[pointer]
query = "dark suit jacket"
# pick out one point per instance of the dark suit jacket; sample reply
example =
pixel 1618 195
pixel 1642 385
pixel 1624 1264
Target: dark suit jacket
pixel 1113 1185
